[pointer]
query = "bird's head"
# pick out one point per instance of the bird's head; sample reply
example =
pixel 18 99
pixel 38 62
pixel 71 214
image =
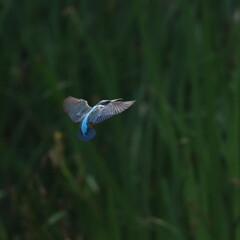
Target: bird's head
pixel 103 102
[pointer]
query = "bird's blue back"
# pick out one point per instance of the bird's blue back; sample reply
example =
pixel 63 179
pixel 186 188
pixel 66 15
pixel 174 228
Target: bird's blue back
pixel 84 124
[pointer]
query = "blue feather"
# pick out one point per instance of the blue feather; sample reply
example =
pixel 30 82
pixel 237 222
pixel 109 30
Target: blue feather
pixel 89 135
pixel 84 124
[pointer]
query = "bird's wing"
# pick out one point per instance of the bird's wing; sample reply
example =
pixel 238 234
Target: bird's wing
pixel 104 112
pixel 76 108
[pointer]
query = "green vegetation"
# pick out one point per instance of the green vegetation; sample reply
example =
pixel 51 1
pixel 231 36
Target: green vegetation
pixel 168 168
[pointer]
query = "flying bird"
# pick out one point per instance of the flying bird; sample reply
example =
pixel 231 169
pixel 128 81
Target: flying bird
pixel 79 111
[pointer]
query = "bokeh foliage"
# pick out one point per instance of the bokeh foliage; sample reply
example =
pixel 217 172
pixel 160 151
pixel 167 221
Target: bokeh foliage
pixel 168 168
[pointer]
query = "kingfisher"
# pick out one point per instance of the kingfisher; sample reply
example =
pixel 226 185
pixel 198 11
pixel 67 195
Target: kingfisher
pixel 79 111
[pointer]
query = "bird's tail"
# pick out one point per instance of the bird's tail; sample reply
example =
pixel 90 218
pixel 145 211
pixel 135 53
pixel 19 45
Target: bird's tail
pixel 88 136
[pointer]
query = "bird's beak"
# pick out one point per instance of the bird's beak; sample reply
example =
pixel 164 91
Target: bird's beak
pixel 118 99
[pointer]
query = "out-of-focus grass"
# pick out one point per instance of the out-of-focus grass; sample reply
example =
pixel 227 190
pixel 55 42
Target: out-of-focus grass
pixel 168 168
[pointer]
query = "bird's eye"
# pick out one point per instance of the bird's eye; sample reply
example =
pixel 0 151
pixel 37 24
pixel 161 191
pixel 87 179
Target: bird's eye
pixel 105 102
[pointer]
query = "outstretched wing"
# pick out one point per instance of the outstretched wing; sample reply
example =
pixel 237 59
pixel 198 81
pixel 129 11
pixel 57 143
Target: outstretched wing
pixel 114 107
pixel 76 108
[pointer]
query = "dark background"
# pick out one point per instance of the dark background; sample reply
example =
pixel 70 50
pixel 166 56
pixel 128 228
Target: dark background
pixel 167 168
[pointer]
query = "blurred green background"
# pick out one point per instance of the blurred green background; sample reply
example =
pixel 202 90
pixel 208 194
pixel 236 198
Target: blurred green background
pixel 167 168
